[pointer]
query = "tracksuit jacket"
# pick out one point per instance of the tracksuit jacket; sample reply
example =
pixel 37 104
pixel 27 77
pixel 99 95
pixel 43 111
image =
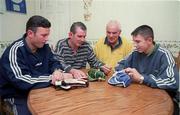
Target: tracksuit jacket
pixel 158 68
pixel 21 70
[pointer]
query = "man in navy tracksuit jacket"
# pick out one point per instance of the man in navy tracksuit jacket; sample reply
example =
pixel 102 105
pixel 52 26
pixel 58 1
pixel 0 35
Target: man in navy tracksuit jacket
pixel 149 63
pixel 26 64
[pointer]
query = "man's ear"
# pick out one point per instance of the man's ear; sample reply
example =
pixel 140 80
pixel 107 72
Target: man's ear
pixel 70 34
pixel 30 33
pixel 149 39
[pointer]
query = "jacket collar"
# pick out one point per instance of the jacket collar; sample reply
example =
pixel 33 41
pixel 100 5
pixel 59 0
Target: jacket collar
pixel 118 44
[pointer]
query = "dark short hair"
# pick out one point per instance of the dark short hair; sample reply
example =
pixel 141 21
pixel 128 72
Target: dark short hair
pixel 37 21
pixel 77 24
pixel 144 30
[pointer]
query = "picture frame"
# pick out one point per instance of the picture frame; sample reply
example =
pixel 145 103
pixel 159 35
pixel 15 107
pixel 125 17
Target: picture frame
pixel 18 6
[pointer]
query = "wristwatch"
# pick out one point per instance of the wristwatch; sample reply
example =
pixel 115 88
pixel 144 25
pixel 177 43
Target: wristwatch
pixel 141 79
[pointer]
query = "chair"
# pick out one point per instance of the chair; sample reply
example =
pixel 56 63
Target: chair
pixel 4 108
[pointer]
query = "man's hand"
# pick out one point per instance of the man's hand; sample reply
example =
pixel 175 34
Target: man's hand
pixel 67 76
pixel 59 75
pixel 56 76
pixel 106 69
pixel 134 74
pixel 78 74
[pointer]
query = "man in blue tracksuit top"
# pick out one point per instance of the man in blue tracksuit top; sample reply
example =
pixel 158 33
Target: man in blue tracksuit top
pixel 149 63
pixel 26 64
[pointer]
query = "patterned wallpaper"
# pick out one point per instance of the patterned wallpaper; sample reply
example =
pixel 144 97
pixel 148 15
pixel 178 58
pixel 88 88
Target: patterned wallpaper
pixel 4 45
pixel 173 46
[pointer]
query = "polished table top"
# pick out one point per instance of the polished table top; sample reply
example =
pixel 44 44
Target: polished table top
pixel 100 98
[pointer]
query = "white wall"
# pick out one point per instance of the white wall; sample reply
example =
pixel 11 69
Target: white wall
pixel 178 12
pixel 13 24
pixel 0 26
pixel 58 13
pixel 1 12
pixel 161 15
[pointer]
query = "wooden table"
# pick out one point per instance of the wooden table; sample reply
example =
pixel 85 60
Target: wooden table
pixel 100 98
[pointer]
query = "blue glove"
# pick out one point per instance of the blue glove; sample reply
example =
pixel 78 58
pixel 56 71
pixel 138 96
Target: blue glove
pixel 120 78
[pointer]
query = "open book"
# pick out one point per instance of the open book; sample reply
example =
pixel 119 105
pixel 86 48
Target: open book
pixel 71 83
